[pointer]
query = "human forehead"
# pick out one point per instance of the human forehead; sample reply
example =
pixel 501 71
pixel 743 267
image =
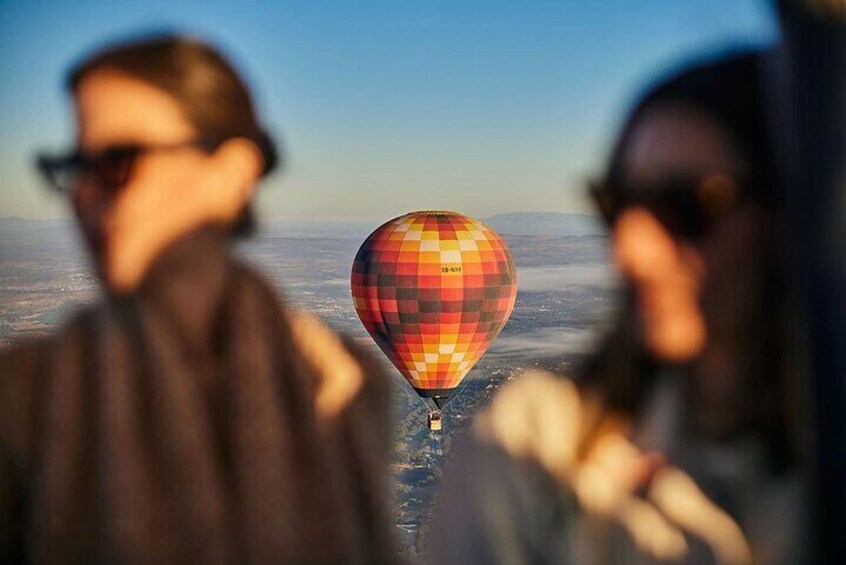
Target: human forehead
pixel 115 107
pixel 676 138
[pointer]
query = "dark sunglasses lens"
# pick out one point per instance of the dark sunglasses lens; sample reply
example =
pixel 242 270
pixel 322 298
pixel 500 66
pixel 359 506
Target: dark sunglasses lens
pixel 681 213
pixel 114 167
pixel 687 208
pixel 60 172
pixel 108 171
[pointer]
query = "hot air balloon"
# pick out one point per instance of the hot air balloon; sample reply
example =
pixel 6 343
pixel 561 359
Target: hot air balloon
pixel 434 289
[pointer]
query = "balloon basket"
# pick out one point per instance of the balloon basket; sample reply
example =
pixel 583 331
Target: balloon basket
pixel 436 438
pixel 434 421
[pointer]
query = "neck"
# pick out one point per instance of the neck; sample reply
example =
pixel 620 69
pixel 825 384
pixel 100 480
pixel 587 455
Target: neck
pixel 186 281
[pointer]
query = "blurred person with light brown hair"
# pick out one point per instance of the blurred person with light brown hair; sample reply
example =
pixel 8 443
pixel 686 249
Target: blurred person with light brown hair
pixel 679 439
pixel 191 416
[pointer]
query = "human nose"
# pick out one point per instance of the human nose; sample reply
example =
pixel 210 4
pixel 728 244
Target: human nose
pixel 642 246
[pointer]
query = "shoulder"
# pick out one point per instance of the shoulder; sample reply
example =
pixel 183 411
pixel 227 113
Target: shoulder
pixel 20 355
pixel 22 369
pixel 344 377
pixel 25 375
pixel 343 371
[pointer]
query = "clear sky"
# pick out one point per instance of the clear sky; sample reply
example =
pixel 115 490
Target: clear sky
pixel 384 107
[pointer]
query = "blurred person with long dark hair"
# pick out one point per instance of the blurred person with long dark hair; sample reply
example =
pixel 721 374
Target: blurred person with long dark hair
pixel 679 439
pixel 191 416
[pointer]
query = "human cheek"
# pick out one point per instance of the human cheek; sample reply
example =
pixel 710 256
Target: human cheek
pixel 151 190
pixel 165 199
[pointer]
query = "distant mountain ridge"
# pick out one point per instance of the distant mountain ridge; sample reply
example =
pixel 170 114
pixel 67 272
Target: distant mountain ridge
pixel 561 224
pixel 555 224
pixel 16 222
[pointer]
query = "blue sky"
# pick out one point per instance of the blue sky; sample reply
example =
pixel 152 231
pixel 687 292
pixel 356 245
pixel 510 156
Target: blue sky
pixel 385 107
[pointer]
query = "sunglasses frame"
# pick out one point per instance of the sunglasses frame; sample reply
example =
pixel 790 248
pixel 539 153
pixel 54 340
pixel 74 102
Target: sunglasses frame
pixel 712 195
pixel 52 167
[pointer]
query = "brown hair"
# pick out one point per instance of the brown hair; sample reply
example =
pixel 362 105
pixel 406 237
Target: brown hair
pixel 622 373
pixel 209 90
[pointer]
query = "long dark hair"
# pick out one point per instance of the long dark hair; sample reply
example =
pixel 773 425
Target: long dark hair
pixel 208 89
pixel 623 373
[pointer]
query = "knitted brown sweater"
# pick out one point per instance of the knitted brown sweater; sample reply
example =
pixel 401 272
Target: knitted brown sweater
pixel 197 421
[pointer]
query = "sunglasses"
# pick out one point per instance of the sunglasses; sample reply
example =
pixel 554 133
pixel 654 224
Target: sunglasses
pixel 111 168
pixel 688 207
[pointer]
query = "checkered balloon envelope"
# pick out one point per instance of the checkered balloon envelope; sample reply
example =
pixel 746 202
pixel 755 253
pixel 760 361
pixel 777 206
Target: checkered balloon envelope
pixel 434 289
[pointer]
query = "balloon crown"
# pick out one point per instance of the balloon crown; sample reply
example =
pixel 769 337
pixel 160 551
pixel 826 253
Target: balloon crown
pixel 434 213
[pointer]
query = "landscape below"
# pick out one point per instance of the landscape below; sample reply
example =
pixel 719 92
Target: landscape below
pixel 565 299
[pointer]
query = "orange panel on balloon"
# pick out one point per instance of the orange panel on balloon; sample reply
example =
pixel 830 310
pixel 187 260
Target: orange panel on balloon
pixel 454 283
